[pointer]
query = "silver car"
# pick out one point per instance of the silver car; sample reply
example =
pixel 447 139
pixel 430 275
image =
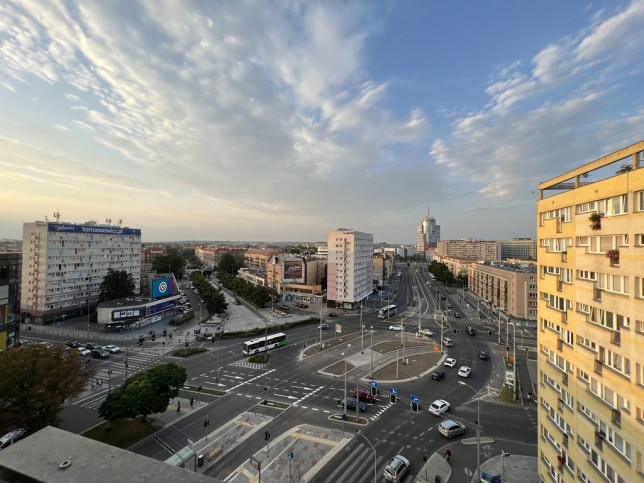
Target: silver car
pixel 396 469
pixel 449 428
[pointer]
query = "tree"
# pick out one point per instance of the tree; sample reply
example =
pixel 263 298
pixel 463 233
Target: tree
pixel 145 393
pixel 173 262
pixel 35 382
pixel 116 284
pixel 230 264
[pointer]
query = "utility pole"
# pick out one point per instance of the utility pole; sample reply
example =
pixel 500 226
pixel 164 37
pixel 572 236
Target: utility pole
pixel 361 332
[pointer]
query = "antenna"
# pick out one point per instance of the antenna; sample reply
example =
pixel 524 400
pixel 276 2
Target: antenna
pixel 57 216
pixel 46 219
pixel 108 221
pixel 120 221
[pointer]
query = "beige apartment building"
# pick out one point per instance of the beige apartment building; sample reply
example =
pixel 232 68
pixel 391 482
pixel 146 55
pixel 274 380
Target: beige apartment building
pixel 482 250
pixel 510 288
pixel 591 321
pixel 519 249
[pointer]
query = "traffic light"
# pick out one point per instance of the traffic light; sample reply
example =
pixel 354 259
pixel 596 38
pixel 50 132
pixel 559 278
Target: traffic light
pixel 455 331
pixel 206 423
pixel 267 435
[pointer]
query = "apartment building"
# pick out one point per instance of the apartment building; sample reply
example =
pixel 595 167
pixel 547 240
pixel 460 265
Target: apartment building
pixel 10 267
pixel 64 264
pixel 349 268
pixel 482 250
pixel 519 249
pixel 148 254
pixel 591 321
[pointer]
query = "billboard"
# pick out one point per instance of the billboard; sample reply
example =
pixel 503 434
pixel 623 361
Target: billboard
pixel 293 269
pixel 162 287
pixel 128 314
pixel 99 230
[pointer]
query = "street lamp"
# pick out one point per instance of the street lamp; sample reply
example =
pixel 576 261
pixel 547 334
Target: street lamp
pixel 478 432
pixel 375 458
pixel 344 409
pixel 371 354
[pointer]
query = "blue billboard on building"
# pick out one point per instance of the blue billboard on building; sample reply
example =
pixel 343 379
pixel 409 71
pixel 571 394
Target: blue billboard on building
pixel 161 287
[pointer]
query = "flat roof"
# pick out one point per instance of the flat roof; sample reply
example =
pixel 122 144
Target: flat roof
pixel 39 457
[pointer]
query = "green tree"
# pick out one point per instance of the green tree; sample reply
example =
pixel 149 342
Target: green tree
pixel 35 382
pixel 230 263
pixel 116 284
pixel 145 393
pixel 172 262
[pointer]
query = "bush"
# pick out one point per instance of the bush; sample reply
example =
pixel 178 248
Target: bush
pixel 260 358
pixel 188 351
pixel 183 320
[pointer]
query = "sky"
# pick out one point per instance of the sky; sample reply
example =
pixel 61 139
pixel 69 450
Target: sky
pixel 283 120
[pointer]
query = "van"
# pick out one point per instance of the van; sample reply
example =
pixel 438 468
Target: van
pixel 447 341
pixel 470 330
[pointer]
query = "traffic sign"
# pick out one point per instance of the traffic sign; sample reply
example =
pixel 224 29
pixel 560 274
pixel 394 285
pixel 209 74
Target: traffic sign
pixel 393 390
pixel 254 462
pixel 290 456
pixel 374 384
pixel 414 399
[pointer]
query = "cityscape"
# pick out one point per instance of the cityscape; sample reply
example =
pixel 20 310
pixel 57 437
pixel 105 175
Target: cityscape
pixel 322 241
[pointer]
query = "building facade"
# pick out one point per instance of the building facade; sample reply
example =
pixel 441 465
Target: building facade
pixel 10 271
pixel 428 233
pixel 481 250
pixel 519 249
pixel 591 321
pixel 349 268
pixel 64 265
pixel 148 254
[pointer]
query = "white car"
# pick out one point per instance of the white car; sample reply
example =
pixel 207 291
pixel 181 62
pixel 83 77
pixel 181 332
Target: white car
pixel 425 332
pixel 464 371
pixel 396 327
pixel 83 352
pixel 112 348
pixel 438 407
pixel 449 362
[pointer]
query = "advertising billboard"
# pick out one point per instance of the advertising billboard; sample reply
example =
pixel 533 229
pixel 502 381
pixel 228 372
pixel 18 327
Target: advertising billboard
pixel 128 314
pixel 293 270
pixel 161 287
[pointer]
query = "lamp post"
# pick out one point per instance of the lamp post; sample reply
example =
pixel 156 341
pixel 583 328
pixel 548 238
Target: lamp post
pixel 375 457
pixel 88 311
pixel 361 332
pixel 478 432
pixel 371 354
pixel 320 325
pixel 344 409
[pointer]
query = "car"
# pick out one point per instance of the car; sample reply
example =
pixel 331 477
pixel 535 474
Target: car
pixel 449 306
pixel 449 362
pixel 396 469
pixel 47 344
pixel 483 355
pixel 365 395
pixel 333 314
pixel 449 428
pixel 437 375
pixel 92 346
pixel 464 371
pixel 73 344
pixel 352 403
pixel 457 315
pixel 397 327
pixel 11 437
pixel 439 407
pixel 470 330
pixel 323 326
pixel 448 342
pixel 425 332
pixel 83 352
pixel 113 349
pixel 443 297
pixel 100 354
pixel 284 307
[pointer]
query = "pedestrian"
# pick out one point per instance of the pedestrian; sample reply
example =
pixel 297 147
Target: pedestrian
pixel 178 406
pixel 192 401
pixel 448 455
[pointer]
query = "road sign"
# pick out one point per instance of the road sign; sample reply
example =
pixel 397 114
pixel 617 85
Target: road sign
pixel 255 463
pixel 393 390
pixel 374 384
pixel 414 399
pixel 190 442
pixel 290 456
pixel 338 328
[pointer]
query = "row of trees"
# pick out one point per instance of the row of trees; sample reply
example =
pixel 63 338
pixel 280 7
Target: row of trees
pixel 213 298
pixel 35 381
pixel 444 275
pixel 255 294
pixel 145 393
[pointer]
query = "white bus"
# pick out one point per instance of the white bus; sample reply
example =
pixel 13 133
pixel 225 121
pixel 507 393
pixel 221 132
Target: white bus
pixel 386 312
pixel 431 275
pixel 261 344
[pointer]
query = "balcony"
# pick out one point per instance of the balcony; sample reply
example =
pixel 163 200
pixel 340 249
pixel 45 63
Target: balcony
pixel 616 338
pixel 597 294
pixel 598 366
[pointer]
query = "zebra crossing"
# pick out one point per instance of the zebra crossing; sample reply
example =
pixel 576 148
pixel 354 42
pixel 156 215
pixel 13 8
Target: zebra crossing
pixel 125 363
pixel 358 464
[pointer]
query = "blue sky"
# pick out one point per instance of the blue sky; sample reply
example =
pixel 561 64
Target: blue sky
pixel 270 121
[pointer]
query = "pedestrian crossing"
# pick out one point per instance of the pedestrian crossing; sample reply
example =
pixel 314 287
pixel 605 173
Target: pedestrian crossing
pixel 125 363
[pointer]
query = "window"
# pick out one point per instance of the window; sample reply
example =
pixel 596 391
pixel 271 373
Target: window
pixel 586 207
pixel 639 200
pixel 614 283
pixel 617 205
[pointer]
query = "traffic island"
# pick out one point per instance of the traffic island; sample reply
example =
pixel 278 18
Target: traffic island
pixel 350 419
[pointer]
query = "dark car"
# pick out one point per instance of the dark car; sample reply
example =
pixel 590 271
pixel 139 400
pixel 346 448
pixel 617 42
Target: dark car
pixel 323 326
pixel 483 355
pixel 100 354
pixel 443 297
pixel 72 344
pixel 437 375
pixel 353 402
pixel 333 314
pixel 92 346
pixel 365 395
pixel 457 315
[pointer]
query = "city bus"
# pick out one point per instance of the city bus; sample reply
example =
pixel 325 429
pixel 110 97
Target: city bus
pixel 386 312
pixel 431 275
pixel 261 344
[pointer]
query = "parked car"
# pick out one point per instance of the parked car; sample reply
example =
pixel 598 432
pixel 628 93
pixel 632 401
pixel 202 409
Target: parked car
pixel 365 395
pixel 397 327
pixel 100 354
pixel 439 407
pixel 73 344
pixel 353 402
pixel 483 355
pixel 397 468
pixel 449 428
pixel 437 375
pixel 323 326
pixel 11 437
pixel 113 349
pixel 464 371
pixel 450 362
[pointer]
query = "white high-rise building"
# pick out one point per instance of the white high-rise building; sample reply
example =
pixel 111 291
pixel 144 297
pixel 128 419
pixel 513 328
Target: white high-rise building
pixel 349 268
pixel 64 264
pixel 428 234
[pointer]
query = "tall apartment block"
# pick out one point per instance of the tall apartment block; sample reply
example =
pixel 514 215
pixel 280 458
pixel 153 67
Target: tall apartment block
pixel 591 321
pixel 482 250
pixel 64 264
pixel 519 248
pixel 349 268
